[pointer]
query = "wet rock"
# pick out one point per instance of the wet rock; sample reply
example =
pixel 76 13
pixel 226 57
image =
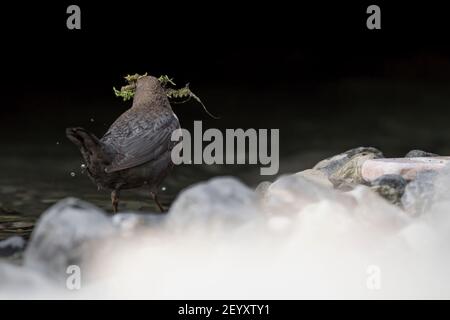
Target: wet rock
pixel 225 200
pixel 428 193
pixel 66 235
pixel 420 193
pixel 391 187
pixel 333 164
pixel 420 153
pixel 345 186
pixel 351 172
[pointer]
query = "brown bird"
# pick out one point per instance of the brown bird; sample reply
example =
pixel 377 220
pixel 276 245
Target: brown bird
pixel 136 149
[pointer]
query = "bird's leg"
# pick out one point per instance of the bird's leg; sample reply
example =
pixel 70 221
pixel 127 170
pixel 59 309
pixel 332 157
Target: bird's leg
pixel 115 200
pixel 154 196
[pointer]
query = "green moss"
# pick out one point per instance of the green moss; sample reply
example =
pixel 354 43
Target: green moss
pixel 176 96
pixel 124 93
pixel 165 80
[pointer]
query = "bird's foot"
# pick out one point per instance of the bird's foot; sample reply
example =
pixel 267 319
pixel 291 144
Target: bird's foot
pixel 155 198
pixel 115 200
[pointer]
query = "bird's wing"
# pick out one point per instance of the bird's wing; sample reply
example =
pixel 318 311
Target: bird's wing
pixel 137 141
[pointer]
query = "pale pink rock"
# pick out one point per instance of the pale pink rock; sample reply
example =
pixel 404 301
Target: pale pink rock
pixel 406 167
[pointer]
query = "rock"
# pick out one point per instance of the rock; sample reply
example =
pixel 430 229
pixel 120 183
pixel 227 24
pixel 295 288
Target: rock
pixel 292 193
pixel 391 187
pixel 131 221
pixel 374 212
pixel 420 194
pixel 306 230
pixel 406 167
pixel 11 246
pixel 351 172
pixel 420 154
pixel 428 194
pixel 317 176
pixel 66 235
pixel 18 282
pixel 224 199
pixel 331 165
pixel 262 188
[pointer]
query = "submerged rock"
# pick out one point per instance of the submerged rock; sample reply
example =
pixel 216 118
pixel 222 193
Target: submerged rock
pixel 391 187
pixel 420 154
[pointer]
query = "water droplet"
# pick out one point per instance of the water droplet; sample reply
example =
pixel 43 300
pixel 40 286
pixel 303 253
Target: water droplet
pixel 83 166
pixel 163 188
pixel 92 120
pixel 72 174
pixel 57 142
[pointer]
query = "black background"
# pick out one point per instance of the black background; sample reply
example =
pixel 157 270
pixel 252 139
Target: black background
pixel 51 75
pixel 265 43
pixel 268 43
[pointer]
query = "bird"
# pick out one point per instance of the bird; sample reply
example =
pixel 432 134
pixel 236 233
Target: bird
pixel 136 149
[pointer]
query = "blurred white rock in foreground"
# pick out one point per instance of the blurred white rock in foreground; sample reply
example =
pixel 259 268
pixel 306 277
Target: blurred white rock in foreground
pixel 218 202
pixel 66 235
pixel 295 238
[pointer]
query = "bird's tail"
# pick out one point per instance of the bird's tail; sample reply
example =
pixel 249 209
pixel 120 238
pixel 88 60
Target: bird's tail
pixel 90 146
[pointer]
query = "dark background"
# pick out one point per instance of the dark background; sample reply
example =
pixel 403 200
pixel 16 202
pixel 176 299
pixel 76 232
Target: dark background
pixel 266 60
pixel 313 71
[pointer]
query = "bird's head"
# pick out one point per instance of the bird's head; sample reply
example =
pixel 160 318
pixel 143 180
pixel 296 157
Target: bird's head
pixel 140 83
pixel 148 84
pixel 144 88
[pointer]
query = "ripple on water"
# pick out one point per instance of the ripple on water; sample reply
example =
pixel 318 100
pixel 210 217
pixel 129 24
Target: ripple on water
pixel 14 224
